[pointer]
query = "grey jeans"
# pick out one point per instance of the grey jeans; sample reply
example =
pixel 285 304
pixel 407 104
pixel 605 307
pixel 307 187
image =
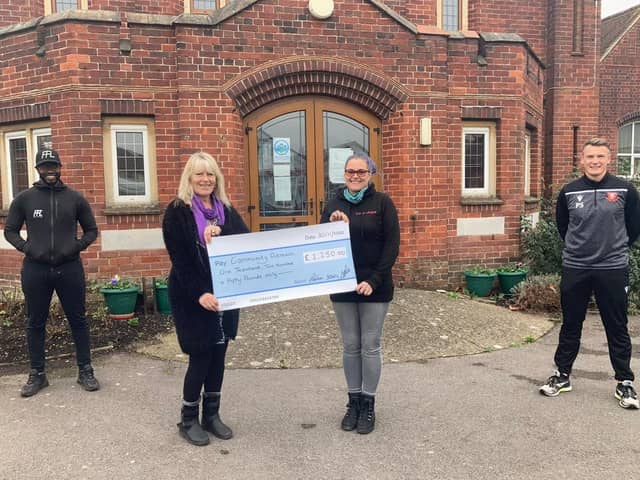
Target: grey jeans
pixel 361 329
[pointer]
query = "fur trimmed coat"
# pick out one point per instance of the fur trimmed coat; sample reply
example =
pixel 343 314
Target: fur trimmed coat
pixel 197 329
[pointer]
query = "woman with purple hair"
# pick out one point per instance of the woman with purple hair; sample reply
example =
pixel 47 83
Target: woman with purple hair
pixel 375 241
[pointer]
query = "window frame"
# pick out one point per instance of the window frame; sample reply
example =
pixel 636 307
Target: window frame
pixel 630 155
pixel 527 164
pixel 110 127
pixel 50 6
pixel 488 129
pixel 216 5
pixel 463 15
pixel 30 132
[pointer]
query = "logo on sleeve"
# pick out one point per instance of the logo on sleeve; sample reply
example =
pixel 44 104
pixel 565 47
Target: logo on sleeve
pixel 612 196
pixel 37 214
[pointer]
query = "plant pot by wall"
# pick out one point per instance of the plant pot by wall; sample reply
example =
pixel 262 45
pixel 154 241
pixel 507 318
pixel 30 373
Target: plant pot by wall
pixel 162 299
pixel 121 302
pixel 479 284
pixel 508 280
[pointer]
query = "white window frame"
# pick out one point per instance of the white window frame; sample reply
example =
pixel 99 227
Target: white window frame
pixel 119 123
pixel 527 164
pixel 633 157
pixel 130 199
pixel 489 161
pixel 30 134
pixel 50 6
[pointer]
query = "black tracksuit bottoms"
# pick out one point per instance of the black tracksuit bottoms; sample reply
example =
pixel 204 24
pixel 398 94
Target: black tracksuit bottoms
pixel 610 288
pixel 39 280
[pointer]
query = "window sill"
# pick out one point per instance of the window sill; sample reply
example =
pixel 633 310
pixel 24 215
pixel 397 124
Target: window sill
pixel 531 200
pixel 153 209
pixel 471 201
pixel 4 213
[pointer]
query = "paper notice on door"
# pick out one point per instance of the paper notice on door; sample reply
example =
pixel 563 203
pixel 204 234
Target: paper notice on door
pixel 337 159
pixel 282 189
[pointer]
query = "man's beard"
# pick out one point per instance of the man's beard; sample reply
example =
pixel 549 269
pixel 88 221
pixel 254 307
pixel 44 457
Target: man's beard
pixel 43 177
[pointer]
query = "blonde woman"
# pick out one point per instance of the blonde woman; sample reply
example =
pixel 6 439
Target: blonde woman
pixel 200 212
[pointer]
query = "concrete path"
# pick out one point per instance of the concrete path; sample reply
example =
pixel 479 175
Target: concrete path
pixel 468 417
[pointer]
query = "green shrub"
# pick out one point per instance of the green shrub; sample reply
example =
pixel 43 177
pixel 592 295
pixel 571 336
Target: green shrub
pixel 542 245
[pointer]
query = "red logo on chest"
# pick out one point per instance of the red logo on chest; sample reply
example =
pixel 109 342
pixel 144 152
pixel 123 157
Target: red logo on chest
pixel 612 196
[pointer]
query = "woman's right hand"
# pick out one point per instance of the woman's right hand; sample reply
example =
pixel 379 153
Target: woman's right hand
pixel 338 216
pixel 208 301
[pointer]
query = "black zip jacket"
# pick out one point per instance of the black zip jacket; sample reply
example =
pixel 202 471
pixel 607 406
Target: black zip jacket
pixel 52 214
pixel 598 222
pixel 375 242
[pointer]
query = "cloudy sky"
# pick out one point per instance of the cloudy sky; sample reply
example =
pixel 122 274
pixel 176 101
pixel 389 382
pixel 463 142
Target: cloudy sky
pixel 609 7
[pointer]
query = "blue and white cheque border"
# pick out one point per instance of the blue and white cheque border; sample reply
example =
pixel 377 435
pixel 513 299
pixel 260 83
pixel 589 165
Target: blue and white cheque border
pixel 277 265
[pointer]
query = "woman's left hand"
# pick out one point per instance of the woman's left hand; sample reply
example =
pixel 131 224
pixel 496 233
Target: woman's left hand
pixel 363 288
pixel 211 231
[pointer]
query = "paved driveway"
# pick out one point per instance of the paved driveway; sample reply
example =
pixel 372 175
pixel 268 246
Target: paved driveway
pixel 468 417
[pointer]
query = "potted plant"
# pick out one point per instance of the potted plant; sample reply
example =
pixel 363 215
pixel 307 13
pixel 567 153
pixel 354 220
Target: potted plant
pixel 480 280
pixel 121 296
pixel 511 275
pixel 162 295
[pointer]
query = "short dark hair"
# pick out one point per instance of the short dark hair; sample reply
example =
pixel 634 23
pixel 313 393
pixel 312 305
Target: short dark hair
pixel 597 142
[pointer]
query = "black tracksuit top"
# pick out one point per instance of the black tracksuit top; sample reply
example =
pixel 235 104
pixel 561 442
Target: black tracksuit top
pixel 52 214
pixel 598 222
pixel 375 242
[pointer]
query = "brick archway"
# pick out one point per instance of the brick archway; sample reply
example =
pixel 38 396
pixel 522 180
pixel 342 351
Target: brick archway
pixel 348 81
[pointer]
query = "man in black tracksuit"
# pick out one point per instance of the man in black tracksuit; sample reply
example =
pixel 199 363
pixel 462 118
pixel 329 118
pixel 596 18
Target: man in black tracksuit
pixel 598 217
pixel 51 212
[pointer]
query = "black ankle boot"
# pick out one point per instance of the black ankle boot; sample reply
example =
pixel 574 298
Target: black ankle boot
pixel 190 428
pixel 211 421
pixel 350 419
pixel 367 415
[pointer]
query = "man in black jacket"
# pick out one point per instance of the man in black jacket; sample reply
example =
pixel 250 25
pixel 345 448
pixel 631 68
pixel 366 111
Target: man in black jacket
pixel 598 217
pixel 51 212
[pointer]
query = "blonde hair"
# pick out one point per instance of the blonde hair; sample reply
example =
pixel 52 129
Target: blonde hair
pixel 597 142
pixel 195 164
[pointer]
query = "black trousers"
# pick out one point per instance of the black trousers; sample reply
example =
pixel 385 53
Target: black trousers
pixel 204 370
pixel 38 283
pixel 610 289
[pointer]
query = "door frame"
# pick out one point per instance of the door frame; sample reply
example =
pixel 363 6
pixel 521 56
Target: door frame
pixel 313 106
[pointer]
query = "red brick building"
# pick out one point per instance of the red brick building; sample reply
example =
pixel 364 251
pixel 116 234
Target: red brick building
pixel 619 99
pixel 471 108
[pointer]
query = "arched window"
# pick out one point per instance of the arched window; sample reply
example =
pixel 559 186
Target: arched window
pixel 629 149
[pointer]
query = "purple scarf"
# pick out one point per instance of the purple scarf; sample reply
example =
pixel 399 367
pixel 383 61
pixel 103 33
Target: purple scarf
pixel 207 216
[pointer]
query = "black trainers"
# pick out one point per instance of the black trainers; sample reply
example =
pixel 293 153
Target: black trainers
pixel 87 380
pixel 626 395
pixel 556 384
pixel 36 382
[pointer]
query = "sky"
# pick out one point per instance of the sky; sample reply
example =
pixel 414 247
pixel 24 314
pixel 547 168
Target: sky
pixel 609 7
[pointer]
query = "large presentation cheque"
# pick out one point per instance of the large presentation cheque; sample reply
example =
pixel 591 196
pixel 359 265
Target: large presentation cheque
pixel 265 267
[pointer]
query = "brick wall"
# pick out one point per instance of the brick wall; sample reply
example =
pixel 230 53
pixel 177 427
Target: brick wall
pixel 188 71
pixel 572 88
pixel 619 74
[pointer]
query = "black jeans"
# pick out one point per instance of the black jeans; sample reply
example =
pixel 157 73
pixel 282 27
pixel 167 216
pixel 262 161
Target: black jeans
pixel 610 289
pixel 205 369
pixel 38 283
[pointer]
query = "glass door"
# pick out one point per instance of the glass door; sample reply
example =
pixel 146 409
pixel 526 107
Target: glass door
pixel 297 150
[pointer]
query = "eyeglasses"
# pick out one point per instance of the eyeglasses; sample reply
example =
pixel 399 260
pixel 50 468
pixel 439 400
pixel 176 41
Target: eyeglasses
pixel 360 173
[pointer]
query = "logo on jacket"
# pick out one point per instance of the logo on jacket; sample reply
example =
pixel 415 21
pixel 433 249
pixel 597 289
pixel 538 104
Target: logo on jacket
pixel 580 203
pixel 37 214
pixel 612 196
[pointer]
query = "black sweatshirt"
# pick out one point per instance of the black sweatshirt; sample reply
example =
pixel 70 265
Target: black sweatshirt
pixel 375 242
pixel 598 222
pixel 52 214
